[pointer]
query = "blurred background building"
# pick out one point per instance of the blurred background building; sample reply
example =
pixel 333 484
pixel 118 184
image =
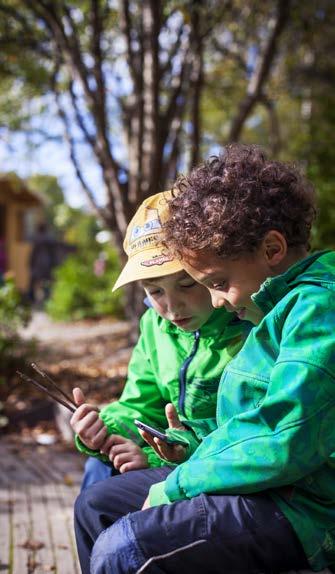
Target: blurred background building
pixel 20 212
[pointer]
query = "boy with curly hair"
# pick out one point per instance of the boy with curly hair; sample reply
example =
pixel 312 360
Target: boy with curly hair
pixel 258 495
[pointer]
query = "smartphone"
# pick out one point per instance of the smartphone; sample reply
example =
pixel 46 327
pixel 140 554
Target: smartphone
pixel 157 433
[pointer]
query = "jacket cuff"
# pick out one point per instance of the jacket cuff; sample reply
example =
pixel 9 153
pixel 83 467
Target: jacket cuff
pixel 190 441
pixel 157 494
pixel 172 488
pixel 154 460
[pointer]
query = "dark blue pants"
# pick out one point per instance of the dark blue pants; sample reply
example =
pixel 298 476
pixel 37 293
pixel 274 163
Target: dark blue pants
pixel 208 534
pixel 96 470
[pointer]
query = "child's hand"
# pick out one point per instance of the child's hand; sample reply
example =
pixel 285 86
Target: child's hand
pixel 86 422
pixel 124 453
pixel 146 503
pixel 171 452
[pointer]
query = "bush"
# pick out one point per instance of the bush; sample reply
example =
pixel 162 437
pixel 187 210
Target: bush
pixel 13 314
pixel 78 292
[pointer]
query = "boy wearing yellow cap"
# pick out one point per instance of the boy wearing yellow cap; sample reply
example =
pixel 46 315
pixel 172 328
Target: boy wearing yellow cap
pixel 175 367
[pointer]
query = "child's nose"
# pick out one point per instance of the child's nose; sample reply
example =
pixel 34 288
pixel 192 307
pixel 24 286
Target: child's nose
pixel 175 305
pixel 218 299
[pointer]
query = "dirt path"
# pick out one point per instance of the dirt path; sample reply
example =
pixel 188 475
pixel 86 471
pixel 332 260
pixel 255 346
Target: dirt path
pixel 102 343
pixel 91 354
pixel 97 351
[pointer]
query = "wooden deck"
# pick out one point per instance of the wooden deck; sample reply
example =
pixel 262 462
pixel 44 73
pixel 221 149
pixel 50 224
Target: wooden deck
pixel 38 486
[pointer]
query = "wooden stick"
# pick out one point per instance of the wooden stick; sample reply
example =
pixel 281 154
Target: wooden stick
pixel 46 376
pixel 45 390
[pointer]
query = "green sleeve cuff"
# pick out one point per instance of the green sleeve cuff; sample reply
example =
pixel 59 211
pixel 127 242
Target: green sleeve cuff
pixel 172 487
pixel 190 441
pixel 157 494
pixel 154 460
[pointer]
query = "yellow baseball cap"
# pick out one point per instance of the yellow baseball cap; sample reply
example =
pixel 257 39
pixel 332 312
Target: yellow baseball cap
pixel 147 257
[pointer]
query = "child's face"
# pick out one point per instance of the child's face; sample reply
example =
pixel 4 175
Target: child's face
pixel 231 282
pixel 179 299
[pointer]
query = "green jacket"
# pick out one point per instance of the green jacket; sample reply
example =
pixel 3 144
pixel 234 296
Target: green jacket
pixel 172 365
pixel 276 411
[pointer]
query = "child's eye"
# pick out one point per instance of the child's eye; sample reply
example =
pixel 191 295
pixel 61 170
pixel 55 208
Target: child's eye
pixel 220 286
pixel 187 285
pixel 155 293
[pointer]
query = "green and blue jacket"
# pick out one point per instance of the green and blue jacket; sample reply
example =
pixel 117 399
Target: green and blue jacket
pixel 169 364
pixel 276 411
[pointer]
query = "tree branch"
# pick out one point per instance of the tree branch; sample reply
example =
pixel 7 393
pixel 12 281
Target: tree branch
pixel 169 169
pixel 274 136
pixel 69 45
pixel 71 143
pixel 165 69
pixel 151 15
pixel 262 70
pixel 175 103
pixel 97 31
pixel 126 27
pixel 234 53
pixel 197 79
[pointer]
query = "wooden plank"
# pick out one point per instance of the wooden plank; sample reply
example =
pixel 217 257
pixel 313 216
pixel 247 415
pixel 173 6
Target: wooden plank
pixel 60 497
pixel 14 468
pixel 21 531
pixel 68 469
pixel 62 530
pixel 44 557
pixel 69 495
pixel 50 465
pixel 38 487
pixel 5 530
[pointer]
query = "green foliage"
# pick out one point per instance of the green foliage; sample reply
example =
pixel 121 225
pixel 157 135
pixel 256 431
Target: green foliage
pixel 13 314
pixel 79 293
pixel 323 232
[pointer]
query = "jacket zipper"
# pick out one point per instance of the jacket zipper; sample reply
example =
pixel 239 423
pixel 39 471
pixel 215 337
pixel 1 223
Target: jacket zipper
pixel 183 372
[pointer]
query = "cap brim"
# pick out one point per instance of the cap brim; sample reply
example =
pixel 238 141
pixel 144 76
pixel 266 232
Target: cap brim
pixel 136 269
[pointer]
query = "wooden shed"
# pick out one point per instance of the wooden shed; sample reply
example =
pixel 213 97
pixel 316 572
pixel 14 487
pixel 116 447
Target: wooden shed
pixel 20 210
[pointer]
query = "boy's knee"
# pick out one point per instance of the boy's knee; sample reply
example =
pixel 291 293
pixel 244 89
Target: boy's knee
pixel 80 507
pixel 116 550
pixel 88 503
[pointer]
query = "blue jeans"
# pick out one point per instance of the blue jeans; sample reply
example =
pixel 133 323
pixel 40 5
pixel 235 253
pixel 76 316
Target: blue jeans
pixel 96 470
pixel 100 505
pixel 213 534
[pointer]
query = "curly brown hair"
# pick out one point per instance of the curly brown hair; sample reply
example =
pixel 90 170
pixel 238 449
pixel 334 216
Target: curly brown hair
pixel 230 202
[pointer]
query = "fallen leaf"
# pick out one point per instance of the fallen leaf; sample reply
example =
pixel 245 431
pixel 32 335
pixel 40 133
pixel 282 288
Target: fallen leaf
pixel 68 480
pixel 32 545
pixel 32 564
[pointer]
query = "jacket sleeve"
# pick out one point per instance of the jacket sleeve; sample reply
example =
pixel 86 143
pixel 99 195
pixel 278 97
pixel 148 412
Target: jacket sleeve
pixel 290 434
pixel 140 399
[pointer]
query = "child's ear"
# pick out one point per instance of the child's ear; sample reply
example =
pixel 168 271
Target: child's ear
pixel 275 247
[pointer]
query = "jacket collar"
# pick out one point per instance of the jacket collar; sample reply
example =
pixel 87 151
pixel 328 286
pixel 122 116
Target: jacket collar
pixel 214 327
pixel 317 268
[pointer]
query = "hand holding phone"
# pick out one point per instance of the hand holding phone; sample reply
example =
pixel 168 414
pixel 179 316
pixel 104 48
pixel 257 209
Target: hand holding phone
pixel 167 448
pixel 157 433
